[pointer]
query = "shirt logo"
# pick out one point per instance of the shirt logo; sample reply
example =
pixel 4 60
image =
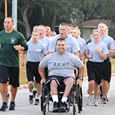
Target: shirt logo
pixel 13 40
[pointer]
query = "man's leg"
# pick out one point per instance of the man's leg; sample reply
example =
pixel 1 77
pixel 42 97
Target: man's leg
pixel 68 85
pixel 38 93
pixel 30 85
pixel 13 93
pixel 54 92
pixel 4 91
pixel 35 88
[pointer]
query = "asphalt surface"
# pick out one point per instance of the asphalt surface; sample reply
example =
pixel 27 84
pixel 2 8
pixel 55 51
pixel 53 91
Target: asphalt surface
pixel 24 108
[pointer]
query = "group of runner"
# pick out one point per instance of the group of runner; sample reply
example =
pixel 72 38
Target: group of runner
pixel 42 42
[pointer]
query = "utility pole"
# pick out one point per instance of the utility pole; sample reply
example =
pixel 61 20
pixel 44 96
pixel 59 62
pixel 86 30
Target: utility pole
pixel 14 12
pixel 5 8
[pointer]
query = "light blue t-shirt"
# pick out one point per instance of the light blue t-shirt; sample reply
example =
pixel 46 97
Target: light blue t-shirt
pixel 35 51
pixel 95 55
pixel 109 43
pixel 83 42
pixel 61 65
pixel 71 43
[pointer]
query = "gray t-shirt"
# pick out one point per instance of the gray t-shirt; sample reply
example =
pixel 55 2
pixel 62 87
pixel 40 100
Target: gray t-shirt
pixel 83 42
pixel 45 41
pixel 109 43
pixel 95 55
pixel 61 65
pixel 35 51
pixel 72 45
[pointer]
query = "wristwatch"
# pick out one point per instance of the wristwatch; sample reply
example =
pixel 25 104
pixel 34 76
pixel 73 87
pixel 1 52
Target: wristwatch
pixel 80 78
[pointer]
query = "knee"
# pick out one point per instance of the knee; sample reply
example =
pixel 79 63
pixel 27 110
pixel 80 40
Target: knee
pixel 30 83
pixel 53 82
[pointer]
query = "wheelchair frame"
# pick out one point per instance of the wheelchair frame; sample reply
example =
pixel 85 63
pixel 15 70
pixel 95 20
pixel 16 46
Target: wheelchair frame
pixel 46 97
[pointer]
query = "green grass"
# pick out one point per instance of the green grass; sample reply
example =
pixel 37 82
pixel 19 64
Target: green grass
pixel 23 78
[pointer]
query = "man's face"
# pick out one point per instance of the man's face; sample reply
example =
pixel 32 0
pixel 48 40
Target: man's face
pixel 41 31
pixel 61 47
pixel 102 28
pixel 48 30
pixel 8 24
pixel 35 36
pixel 63 31
pixel 73 33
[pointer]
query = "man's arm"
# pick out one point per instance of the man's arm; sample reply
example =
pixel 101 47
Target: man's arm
pixel 42 74
pixel 81 73
pixel 77 54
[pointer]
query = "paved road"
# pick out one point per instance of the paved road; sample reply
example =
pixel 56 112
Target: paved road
pixel 24 108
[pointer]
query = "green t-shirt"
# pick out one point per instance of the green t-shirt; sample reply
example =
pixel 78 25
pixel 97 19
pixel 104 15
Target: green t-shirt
pixel 9 56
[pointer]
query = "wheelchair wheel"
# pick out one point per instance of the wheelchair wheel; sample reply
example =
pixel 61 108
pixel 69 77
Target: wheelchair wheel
pixel 79 104
pixel 81 99
pixel 43 104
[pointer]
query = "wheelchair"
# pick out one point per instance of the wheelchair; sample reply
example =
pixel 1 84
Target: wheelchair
pixel 74 100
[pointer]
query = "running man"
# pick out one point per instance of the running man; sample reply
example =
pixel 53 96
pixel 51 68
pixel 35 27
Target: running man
pixel 9 61
pixel 34 52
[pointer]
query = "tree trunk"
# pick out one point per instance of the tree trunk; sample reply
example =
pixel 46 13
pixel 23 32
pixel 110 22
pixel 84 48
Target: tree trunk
pixel 25 20
pixel 53 19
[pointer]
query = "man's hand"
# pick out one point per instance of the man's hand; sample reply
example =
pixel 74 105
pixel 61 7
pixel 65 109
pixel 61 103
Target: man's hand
pixel 40 59
pixel 17 47
pixel 89 55
pixel 43 81
pixel 79 81
pixel 22 63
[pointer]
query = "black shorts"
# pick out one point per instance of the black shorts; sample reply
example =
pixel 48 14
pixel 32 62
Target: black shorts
pixel 59 79
pixel 109 78
pixel 106 70
pixel 10 74
pixel 32 71
pixel 94 70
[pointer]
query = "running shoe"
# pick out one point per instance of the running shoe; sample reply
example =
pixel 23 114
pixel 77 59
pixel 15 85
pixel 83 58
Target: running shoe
pixel 36 101
pixel 104 100
pixel 95 102
pixel 30 99
pixel 90 98
pixel 34 93
pixel 63 106
pixel 12 106
pixel 4 107
pixel 55 107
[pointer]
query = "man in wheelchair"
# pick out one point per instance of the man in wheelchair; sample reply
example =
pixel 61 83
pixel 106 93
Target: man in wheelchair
pixel 61 65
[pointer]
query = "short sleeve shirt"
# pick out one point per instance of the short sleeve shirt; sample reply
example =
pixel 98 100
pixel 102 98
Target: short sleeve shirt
pixel 35 51
pixel 95 55
pixel 9 56
pixel 71 43
pixel 61 65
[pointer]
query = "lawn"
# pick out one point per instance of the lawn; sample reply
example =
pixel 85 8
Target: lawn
pixel 23 78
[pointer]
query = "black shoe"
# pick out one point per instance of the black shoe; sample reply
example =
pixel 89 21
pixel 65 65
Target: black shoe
pixel 12 106
pixel 4 107
pixel 55 107
pixel 63 106
pixel 36 101
pixel 34 93
pixel 30 99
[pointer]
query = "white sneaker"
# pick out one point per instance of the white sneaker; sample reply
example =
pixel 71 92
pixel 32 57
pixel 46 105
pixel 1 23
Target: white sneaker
pixel 90 98
pixel 95 102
